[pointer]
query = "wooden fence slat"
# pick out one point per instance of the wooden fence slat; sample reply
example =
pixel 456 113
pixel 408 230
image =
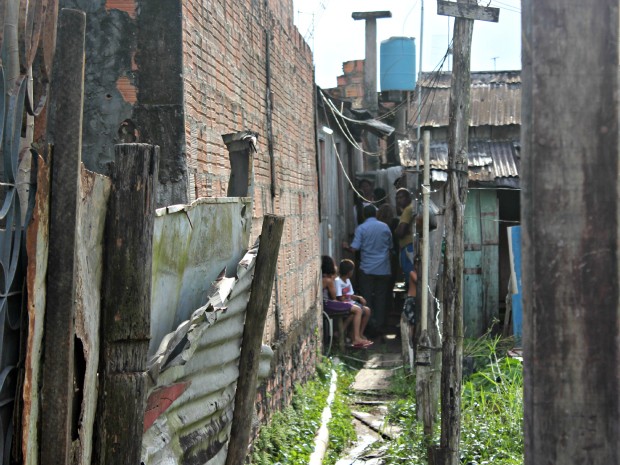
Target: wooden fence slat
pixel 58 345
pixel 256 313
pixel 126 304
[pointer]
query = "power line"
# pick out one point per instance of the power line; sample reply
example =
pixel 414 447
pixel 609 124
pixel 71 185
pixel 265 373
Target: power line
pixel 505 6
pixel 345 131
pixel 436 74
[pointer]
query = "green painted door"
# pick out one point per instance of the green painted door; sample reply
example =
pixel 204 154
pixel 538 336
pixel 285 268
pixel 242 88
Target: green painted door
pixel 481 266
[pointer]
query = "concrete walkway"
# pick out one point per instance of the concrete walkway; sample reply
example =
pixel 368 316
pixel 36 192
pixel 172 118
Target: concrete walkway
pixel 370 406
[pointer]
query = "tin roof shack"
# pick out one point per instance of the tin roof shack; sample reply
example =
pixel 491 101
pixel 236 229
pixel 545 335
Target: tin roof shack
pixel 493 202
pixel 180 75
pixel 340 130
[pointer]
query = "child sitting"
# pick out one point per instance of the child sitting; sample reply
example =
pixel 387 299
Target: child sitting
pixel 345 293
pixel 332 305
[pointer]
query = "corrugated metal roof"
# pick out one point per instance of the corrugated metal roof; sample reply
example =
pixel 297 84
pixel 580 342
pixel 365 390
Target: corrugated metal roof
pixel 495 98
pixel 489 161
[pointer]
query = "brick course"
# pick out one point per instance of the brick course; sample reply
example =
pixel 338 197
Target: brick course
pixel 189 72
pixel 225 79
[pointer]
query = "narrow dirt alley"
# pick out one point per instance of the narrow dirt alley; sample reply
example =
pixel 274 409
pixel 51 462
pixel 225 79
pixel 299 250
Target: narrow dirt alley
pixel 370 404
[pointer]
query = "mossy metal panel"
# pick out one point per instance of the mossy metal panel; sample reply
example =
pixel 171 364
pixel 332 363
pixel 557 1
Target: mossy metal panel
pixel 192 245
pixel 195 371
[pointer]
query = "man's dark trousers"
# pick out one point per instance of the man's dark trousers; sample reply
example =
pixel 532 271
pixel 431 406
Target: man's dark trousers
pixel 376 290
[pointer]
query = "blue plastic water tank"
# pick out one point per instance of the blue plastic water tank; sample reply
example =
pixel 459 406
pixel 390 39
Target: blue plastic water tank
pixel 397 64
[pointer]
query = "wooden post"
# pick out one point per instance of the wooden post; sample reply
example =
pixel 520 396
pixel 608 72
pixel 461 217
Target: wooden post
pixel 456 195
pixel 426 193
pixel 126 304
pixel 60 425
pixel 570 235
pixel 256 313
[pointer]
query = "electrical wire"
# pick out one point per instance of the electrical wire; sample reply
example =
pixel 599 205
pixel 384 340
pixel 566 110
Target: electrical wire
pixel 344 171
pixel 435 76
pixel 334 109
pixel 347 133
pixel 391 111
pixel 345 130
pixel 506 6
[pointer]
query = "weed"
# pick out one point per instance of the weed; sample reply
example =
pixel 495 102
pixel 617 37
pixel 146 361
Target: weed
pixel 402 383
pixel 491 411
pixel 492 415
pixel 289 437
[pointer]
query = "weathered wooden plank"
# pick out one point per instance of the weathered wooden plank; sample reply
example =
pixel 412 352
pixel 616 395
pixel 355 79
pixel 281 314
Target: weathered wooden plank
pixel 358 15
pixel 472 271
pixel 126 304
pixel 129 243
pixel 58 344
pixel 256 313
pixel 570 205
pixel 489 216
pixel 456 198
pixel 125 393
pixel 462 10
pixel 37 244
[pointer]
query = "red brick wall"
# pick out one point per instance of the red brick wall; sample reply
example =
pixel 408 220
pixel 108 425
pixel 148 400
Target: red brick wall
pixel 351 83
pixel 225 87
pixel 294 361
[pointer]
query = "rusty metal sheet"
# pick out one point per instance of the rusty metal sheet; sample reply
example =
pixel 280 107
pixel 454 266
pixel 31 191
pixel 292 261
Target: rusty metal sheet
pixel 194 373
pixel 37 245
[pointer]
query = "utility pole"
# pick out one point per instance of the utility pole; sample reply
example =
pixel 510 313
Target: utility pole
pixel 419 118
pixel 570 205
pixel 465 11
pixel 425 399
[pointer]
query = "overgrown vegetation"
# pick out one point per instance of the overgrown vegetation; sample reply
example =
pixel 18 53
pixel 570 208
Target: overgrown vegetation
pixel 289 437
pixel 491 415
pixel 491 411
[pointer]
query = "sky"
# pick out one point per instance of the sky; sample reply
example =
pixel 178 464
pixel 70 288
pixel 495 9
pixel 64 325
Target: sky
pixel 335 37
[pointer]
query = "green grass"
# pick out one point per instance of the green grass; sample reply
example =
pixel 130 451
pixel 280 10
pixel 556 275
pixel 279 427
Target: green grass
pixel 289 436
pixel 491 411
pixel 492 414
